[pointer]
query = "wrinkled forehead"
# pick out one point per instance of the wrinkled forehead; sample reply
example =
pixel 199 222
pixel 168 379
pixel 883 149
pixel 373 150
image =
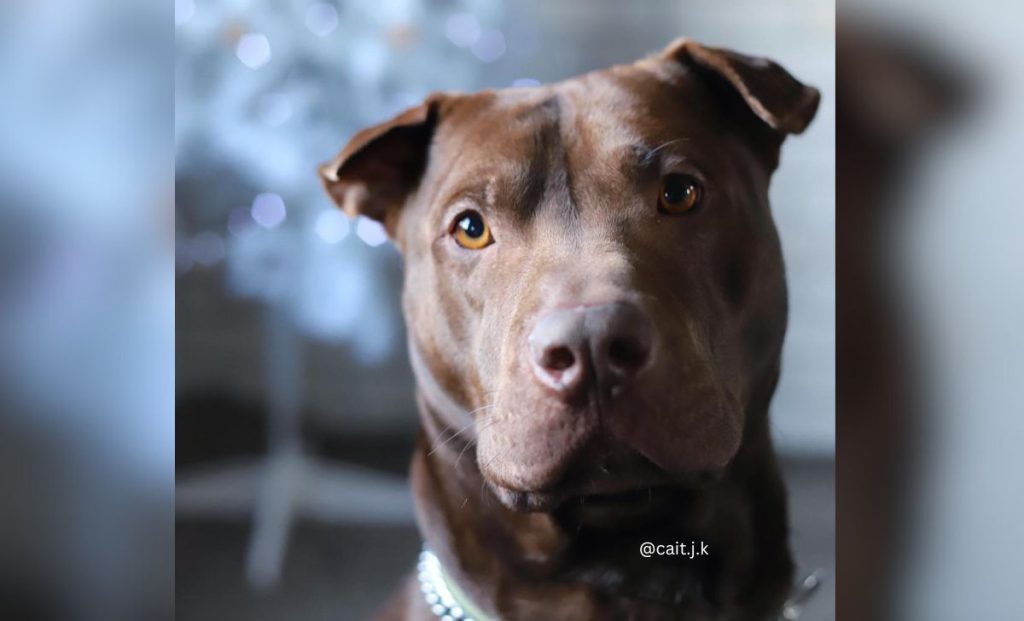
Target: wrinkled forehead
pixel 609 123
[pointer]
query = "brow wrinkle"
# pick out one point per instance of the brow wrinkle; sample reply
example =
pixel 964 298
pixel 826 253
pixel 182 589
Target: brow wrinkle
pixel 565 191
pixel 536 181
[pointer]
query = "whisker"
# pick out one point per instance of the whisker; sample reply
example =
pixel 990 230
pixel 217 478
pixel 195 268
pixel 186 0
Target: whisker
pixel 453 435
pixel 665 144
pixel 467 444
pixel 647 155
pixel 459 432
pixel 483 481
pixel 481 408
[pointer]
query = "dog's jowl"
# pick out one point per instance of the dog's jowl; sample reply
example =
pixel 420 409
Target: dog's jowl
pixel 596 305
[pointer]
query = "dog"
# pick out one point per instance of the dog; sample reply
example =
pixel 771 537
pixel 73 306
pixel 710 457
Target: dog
pixel 596 305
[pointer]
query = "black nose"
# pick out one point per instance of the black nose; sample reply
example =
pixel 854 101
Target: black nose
pixel 601 347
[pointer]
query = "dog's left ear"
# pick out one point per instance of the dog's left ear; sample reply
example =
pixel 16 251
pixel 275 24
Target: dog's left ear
pixel 772 94
pixel 381 165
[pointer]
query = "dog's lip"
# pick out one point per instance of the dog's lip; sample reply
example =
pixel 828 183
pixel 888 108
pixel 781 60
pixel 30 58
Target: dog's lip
pixel 633 498
pixel 530 501
pixel 622 496
pixel 621 510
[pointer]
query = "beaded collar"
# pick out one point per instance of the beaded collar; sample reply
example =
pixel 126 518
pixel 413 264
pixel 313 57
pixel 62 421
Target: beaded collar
pixel 448 603
pixel 445 599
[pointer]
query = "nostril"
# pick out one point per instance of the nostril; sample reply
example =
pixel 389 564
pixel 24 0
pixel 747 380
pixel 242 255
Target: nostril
pixel 558 358
pixel 627 353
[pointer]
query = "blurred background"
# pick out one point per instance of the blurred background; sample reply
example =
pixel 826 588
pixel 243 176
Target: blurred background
pixel 928 295
pixel 86 310
pixel 295 414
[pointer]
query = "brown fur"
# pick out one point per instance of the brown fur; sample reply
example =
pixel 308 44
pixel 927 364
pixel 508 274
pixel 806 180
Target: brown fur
pixel 568 177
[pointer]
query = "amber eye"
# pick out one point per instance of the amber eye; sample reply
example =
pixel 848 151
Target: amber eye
pixel 679 194
pixel 471 231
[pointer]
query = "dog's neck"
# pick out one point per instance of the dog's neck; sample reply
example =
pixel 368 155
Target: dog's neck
pixel 532 565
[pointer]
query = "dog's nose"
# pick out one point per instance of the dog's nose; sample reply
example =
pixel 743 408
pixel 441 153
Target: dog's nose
pixel 574 349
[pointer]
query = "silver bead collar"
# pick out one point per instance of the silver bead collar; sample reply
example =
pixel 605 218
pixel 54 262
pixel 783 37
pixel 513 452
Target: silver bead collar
pixel 435 590
pixel 446 607
pixel 803 591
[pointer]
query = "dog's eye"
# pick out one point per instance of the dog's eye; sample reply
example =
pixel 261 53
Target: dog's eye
pixel 471 231
pixel 679 194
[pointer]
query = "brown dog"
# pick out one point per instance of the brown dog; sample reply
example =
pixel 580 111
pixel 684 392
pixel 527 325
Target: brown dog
pixel 596 305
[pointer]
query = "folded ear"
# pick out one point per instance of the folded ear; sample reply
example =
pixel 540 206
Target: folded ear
pixel 771 93
pixel 381 165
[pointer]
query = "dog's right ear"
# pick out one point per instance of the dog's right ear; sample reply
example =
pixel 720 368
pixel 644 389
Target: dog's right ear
pixel 375 172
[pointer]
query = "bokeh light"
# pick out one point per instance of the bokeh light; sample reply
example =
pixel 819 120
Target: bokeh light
pixel 332 226
pixel 462 29
pixel 184 10
pixel 253 50
pixel 371 232
pixel 268 210
pixel 321 19
pixel 489 46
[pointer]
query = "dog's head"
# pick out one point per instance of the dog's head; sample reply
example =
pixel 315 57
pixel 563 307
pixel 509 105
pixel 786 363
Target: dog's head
pixel 592 271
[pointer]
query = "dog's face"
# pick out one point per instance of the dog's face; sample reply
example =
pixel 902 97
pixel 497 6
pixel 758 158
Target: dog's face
pixel 592 271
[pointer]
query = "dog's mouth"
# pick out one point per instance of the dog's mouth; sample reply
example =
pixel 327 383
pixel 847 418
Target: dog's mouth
pixel 615 509
pixel 604 508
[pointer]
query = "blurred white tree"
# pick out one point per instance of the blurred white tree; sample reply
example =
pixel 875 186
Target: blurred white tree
pixel 265 92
